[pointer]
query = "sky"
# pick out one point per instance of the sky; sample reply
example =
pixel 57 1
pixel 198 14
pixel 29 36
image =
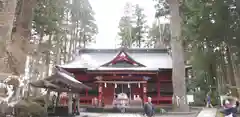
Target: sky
pixel 108 14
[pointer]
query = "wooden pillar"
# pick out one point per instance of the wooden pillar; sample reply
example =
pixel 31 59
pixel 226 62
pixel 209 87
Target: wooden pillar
pixel 130 91
pixel 77 103
pixel 100 94
pixel 86 92
pixel 58 99
pixel 158 89
pixel 70 95
pixel 144 92
pixel 47 99
pixel 158 86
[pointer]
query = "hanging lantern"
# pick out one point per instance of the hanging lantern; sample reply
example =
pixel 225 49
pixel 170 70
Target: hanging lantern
pixel 115 85
pixel 105 85
pixel 100 89
pixel 144 89
pixel 138 85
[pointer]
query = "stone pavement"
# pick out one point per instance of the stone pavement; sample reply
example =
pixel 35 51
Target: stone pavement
pixel 208 112
pixel 130 115
pixel 90 114
pixel 122 115
pixel 139 115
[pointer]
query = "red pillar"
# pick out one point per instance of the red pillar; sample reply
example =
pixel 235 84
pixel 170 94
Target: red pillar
pixel 86 92
pixel 158 89
pixel 144 92
pixel 100 93
pixel 158 86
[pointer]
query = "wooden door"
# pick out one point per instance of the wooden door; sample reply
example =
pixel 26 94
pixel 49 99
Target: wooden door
pixel 108 94
pixel 136 90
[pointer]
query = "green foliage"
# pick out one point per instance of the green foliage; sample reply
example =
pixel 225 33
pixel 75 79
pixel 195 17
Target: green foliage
pixel 199 98
pixel 160 110
pixel 208 28
pixel 140 27
pixel 83 17
pixel 126 32
pixel 59 28
pixel 51 17
pixel 153 35
pixel 162 8
pixel 133 27
pixel 205 77
pixel 47 16
pixel 159 35
pixel 211 22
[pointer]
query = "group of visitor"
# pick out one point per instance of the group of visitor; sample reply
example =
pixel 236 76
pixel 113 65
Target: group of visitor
pixel 229 106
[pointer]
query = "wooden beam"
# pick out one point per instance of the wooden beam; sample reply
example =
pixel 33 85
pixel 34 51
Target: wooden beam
pixel 122 82
pixel 122 77
pixel 122 72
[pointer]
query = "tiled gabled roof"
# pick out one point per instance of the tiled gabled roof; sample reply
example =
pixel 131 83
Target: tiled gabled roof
pixel 95 59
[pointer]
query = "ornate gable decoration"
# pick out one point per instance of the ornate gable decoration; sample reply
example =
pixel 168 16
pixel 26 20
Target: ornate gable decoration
pixel 123 60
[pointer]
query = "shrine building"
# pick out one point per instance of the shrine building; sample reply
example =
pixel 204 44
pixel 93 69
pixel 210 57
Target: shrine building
pixel 136 72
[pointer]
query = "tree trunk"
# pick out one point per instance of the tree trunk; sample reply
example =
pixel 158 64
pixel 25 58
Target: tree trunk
pixel 48 57
pixel 6 24
pixel 24 20
pixel 238 79
pixel 223 74
pixel 178 71
pixel 6 20
pixel 159 42
pixel 65 58
pixel 18 47
pixel 58 50
pixel 236 69
pixel 230 73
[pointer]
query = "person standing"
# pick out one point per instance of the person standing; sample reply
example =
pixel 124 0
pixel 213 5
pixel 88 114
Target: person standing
pixel 149 109
pixel 208 103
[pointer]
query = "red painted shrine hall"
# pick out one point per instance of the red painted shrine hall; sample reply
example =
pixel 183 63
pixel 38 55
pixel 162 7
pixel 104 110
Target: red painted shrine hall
pixel 142 72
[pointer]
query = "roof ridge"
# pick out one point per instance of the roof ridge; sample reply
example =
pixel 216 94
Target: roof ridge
pixel 139 50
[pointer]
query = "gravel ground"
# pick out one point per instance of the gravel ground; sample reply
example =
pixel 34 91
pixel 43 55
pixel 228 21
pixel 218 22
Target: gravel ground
pixel 139 115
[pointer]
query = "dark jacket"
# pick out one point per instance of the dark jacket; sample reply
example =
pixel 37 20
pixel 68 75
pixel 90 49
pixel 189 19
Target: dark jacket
pixel 228 111
pixel 149 109
pixel 232 110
